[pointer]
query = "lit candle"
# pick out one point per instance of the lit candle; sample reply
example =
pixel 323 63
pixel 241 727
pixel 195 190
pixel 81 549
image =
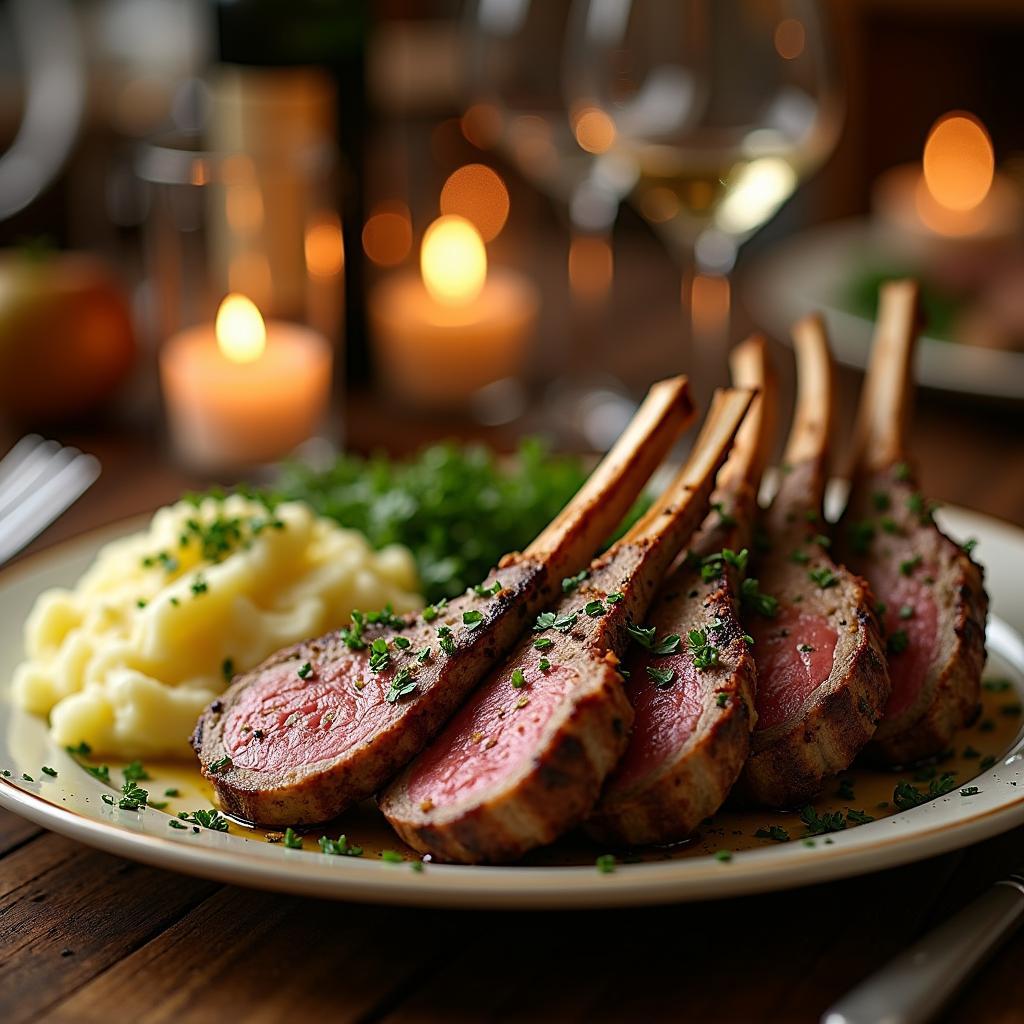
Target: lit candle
pixel 954 198
pixel 454 328
pixel 240 392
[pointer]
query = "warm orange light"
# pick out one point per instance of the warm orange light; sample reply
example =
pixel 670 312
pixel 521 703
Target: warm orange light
pixel 387 234
pixel 478 194
pixel 958 162
pixel 789 38
pixel 324 246
pixel 481 125
pixel 659 204
pixel 709 304
pixel 595 131
pixel 241 334
pixel 453 261
pixel 244 208
pixel 249 273
pixel 590 267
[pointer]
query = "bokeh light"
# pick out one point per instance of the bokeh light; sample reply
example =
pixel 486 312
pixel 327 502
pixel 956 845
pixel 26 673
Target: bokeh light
pixel 958 161
pixel 789 38
pixel 477 193
pixel 453 261
pixel 241 333
pixel 387 233
pixel 324 245
pixel 590 267
pixel 594 129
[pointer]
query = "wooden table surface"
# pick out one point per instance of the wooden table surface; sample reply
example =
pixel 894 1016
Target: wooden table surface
pixel 85 936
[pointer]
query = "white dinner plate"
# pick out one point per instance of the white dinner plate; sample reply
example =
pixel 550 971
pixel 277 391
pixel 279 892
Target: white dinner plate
pixel 71 803
pixel 811 272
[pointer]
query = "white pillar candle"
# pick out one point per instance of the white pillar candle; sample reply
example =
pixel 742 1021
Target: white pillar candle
pixel 443 334
pixel 241 392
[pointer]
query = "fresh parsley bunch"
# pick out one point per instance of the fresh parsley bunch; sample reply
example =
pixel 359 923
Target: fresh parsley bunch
pixel 457 508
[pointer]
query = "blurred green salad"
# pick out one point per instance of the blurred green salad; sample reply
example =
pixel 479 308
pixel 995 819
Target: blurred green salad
pixel 459 509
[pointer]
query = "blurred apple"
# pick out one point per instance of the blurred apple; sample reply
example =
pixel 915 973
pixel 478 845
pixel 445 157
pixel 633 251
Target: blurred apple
pixel 66 339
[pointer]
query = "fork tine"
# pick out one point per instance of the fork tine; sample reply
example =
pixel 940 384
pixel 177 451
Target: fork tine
pixel 27 473
pixel 65 483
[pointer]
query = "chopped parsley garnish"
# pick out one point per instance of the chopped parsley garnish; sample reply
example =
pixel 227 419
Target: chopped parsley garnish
pixel 776 832
pixel 818 824
pixel 805 649
pixel 881 501
pixel 997 685
pixel 543 643
pixel 897 641
pixel 570 583
pixel 845 790
pixel 824 577
pixel 565 622
pixel 724 518
pixel 401 686
pixel 493 590
pixel 595 609
pixel 199 586
pixel 472 618
pixel 171 792
pixel 423 656
pixel 432 611
pixel 924 510
pixel 755 601
pixel 306 669
pixel 26 777
pixel 380 656
pixel 860 536
pixel 445 640
pixel 605 864
pixel 212 819
pixel 403 643
pixel 84 750
pixel 722 700
pixel 889 525
pixel 724 856
pixel 109 800
pixel 822 541
pixel 800 557
pixel 227 669
pixel 857 817
pixel 136 772
pixel 292 839
pixel 220 765
pixel 705 656
pixel 901 471
pixel 615 598
pixel 544 664
pixel 174 823
pixel 544 621
pixel 339 847
pixel 391 857
pixel 132 798
pixel 518 679
pixel 908 566
pixel 662 677
pixel 907 795
pixel 969 545
pixel 98 771
pixel 46 770
pixel 906 611
pixel 712 566
pixel 969 791
pixel 644 636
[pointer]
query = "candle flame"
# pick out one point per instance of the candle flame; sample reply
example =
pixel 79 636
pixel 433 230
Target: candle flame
pixel 958 162
pixel 453 261
pixel 241 334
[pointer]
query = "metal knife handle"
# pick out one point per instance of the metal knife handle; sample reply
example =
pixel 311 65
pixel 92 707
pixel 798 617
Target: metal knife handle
pixel 911 988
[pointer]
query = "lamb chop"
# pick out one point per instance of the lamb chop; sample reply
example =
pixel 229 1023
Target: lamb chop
pixel 325 723
pixel 524 760
pixel 933 599
pixel 822 681
pixel 691 735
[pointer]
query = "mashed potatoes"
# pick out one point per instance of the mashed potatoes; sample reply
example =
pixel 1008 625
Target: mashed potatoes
pixel 155 628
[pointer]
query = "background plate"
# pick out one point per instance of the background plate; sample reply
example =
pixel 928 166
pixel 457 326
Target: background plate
pixel 70 804
pixel 811 271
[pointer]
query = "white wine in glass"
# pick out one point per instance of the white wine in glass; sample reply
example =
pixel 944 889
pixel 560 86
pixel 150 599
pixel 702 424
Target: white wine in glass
pixel 722 106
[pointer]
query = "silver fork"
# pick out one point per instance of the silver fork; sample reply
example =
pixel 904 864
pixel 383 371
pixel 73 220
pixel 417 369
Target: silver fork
pixel 39 480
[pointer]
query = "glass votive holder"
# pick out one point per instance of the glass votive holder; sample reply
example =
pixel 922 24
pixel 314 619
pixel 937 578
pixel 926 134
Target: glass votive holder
pixel 244 296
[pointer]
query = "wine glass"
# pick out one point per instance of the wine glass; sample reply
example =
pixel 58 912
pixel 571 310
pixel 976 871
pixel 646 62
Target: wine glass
pixel 514 69
pixel 721 107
